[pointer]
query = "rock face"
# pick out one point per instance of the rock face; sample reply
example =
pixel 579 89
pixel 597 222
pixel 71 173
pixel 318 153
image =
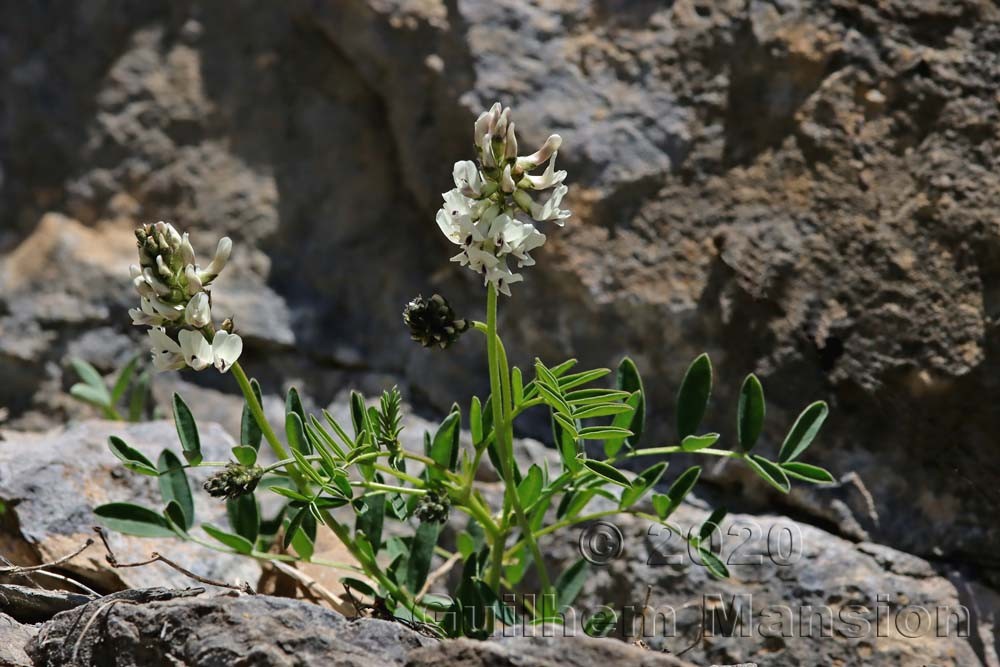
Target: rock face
pixel 14 638
pixel 213 632
pixel 796 596
pixel 51 482
pixel 804 188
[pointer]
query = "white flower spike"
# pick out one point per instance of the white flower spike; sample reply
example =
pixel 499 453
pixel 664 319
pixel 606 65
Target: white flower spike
pixel 173 293
pixel 486 213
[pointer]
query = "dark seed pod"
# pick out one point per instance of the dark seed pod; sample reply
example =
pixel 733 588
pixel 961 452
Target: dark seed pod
pixel 433 322
pixel 234 481
pixel 433 507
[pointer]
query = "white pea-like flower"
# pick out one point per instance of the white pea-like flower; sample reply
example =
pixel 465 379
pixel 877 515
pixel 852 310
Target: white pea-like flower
pixel 490 214
pixel 226 349
pixel 166 352
pixel 192 349
pixel 144 315
pixel 196 350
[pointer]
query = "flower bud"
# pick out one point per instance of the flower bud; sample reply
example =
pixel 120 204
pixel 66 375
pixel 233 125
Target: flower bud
pixel 510 144
pixel 158 285
pixel 494 112
pixel 489 161
pixel 432 322
pixel 187 251
pixel 506 182
pixel 222 252
pixel 167 311
pixel 194 284
pixel 500 131
pixel 481 128
pixel 162 268
pixel 198 312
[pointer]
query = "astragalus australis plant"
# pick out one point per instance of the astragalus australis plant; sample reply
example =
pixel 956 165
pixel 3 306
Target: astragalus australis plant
pixel 358 479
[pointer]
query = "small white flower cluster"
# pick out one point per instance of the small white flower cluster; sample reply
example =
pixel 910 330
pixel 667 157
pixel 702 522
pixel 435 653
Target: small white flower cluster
pixel 483 214
pixel 174 302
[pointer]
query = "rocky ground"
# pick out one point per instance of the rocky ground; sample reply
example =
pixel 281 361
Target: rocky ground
pixel 777 564
pixel 804 188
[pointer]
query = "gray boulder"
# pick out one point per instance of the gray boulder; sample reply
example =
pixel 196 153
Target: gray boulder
pixel 217 631
pixel 51 482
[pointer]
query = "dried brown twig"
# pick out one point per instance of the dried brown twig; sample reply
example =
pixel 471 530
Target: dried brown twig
pixel 21 569
pixel 10 569
pixel 313 587
pixel 438 573
pixel 155 557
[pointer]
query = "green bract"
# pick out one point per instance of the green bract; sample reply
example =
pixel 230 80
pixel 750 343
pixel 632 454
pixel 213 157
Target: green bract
pixel 388 505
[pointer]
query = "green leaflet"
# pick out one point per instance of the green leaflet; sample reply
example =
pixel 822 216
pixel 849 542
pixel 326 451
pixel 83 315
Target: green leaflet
pixel 641 484
pixel 530 487
pixel 444 446
pixel 133 520
pixel 244 517
pixel 609 473
pixel 418 564
pixel 693 396
pixel 187 431
pixel 682 486
pixel 769 472
pixel 91 378
pixel 237 543
pixel 132 458
pixel 803 432
pixel 250 433
pixel 693 443
pixel 628 379
pixel 174 486
pixel 570 582
pixel 750 413
pixel 369 518
pixel 124 380
pixel 807 473
pixel 296 433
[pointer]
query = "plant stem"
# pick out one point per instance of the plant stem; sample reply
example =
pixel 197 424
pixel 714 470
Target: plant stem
pixel 376 486
pixel 657 451
pixel 257 410
pixel 591 517
pixel 500 403
pixel 474 508
pixel 112 413
pixel 399 475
